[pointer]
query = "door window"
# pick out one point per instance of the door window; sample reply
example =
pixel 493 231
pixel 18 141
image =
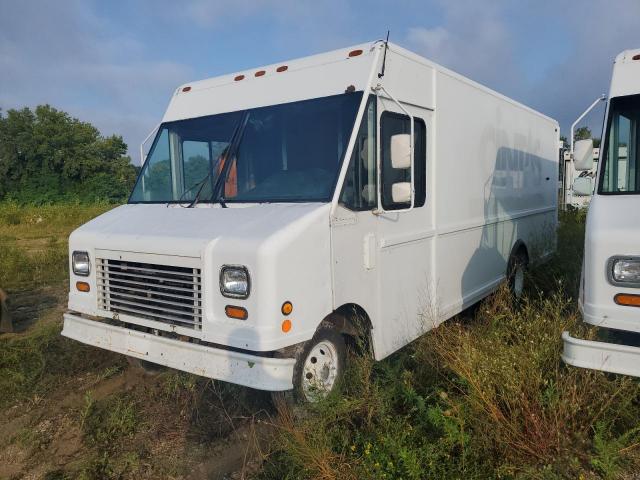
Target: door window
pixel 621 173
pixel 359 191
pixel 392 124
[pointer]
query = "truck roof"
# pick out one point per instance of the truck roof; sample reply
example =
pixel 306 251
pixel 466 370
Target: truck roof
pixel 626 73
pixel 314 76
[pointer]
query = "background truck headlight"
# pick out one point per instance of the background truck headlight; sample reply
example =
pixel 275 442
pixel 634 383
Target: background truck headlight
pixel 81 263
pixel 625 270
pixel 234 281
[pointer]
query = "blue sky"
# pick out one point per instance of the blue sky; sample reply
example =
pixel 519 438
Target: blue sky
pixel 116 63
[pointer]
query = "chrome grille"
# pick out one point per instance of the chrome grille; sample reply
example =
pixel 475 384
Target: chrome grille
pixel 163 293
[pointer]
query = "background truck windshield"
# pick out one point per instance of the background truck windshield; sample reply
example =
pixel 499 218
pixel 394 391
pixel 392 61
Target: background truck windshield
pixel 283 153
pixel 621 168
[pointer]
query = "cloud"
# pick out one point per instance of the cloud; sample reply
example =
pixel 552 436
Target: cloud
pixel 473 40
pixel 599 30
pixel 70 58
pixel 523 51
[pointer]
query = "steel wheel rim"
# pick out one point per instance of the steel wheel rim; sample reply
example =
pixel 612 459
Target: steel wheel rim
pixel 320 371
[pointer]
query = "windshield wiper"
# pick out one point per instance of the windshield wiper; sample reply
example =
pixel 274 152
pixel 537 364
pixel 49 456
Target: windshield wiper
pixel 222 159
pixel 228 160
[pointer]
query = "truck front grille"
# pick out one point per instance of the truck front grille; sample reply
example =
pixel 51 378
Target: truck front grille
pixel 163 293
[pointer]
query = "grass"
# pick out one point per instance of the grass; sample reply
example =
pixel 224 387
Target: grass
pixel 481 398
pixel 33 242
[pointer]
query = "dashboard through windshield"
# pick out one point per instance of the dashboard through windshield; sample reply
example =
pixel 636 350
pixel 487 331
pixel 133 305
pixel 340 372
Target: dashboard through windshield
pixel 282 153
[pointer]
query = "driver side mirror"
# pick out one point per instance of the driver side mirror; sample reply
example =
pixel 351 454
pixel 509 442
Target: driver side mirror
pixel 401 192
pixel 401 159
pixel 401 150
pixel 583 155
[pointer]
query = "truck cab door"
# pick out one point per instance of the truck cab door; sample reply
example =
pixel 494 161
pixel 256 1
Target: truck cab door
pixel 354 225
pixel 406 235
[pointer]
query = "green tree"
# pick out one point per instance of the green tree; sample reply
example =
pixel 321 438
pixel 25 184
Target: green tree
pixel 583 133
pixel 46 155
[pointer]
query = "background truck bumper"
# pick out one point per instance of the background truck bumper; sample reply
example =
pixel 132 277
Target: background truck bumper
pixel 273 374
pixel 608 357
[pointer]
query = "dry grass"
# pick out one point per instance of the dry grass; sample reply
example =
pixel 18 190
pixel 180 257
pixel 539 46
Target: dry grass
pixel 482 398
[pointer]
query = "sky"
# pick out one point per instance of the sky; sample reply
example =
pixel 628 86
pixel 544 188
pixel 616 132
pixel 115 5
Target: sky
pixel 116 63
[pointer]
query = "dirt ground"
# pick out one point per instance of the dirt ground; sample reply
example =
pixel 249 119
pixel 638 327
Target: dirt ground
pixel 171 426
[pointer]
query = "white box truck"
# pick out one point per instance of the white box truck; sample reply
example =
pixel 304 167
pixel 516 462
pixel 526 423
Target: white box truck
pixel 610 285
pixel 284 209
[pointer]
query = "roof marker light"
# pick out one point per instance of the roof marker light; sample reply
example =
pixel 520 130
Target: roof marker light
pixel 239 77
pixel 260 73
pixel 282 68
pixel 186 89
pixel 636 57
pixel 355 53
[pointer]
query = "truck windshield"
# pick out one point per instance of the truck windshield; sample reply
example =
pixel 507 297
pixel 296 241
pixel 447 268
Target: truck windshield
pixel 286 153
pixel 620 172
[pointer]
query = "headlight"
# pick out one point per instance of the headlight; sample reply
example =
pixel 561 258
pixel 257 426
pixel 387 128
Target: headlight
pixel 626 270
pixel 81 263
pixel 235 281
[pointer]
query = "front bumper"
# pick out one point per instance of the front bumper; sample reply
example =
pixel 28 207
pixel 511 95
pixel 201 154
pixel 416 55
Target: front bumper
pixel 608 357
pixel 263 373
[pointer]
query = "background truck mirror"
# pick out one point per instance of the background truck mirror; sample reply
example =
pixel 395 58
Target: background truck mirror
pixel 583 155
pixel 401 192
pixel 401 150
pixel 583 186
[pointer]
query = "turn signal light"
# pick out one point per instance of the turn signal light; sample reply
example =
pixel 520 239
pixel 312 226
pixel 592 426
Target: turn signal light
pixel 83 286
pixel 627 299
pixel 238 313
pixel 287 308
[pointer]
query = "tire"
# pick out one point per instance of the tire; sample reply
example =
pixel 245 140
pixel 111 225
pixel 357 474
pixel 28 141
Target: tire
pixel 318 370
pixel 148 368
pixel 516 270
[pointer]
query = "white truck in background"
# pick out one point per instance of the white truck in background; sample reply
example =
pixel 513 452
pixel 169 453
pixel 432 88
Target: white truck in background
pixel 610 285
pixel 282 210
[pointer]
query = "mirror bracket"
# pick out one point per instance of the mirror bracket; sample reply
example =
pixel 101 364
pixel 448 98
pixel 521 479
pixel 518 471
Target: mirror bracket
pixel 380 210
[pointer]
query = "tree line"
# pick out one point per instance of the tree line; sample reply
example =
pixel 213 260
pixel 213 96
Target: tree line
pixel 48 156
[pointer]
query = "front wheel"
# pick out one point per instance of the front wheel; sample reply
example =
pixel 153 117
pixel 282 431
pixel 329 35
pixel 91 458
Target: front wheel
pixel 319 367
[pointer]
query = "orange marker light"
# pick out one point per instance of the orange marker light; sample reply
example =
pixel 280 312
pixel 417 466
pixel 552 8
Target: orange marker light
pixel 636 57
pixel 283 68
pixel 239 77
pixel 186 89
pixel 627 299
pixel 83 286
pixel 260 73
pixel 287 308
pixel 355 53
pixel 238 313
pixel 286 325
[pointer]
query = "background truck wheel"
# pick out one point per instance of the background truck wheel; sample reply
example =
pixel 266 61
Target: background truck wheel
pixel 319 368
pixel 148 368
pixel 516 270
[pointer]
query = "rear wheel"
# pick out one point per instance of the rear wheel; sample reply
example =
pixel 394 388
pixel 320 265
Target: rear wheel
pixel 516 270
